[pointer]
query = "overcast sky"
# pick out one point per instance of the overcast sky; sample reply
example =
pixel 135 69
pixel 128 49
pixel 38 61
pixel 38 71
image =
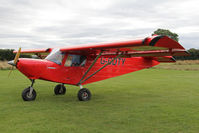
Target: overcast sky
pixel 54 23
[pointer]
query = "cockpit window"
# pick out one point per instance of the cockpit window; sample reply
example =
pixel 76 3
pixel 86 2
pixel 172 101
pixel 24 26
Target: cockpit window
pixel 55 56
pixel 75 60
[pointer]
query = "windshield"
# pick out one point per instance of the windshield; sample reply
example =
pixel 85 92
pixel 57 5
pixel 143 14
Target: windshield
pixel 55 56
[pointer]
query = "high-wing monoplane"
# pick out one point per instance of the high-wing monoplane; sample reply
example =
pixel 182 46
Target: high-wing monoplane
pixel 83 64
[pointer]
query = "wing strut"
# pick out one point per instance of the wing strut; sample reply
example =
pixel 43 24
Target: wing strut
pixel 82 80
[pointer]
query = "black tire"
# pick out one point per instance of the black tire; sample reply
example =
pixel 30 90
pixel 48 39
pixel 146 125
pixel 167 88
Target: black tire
pixel 60 89
pixel 84 94
pixel 26 96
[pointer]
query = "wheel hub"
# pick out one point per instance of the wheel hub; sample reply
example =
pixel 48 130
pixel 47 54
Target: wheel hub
pixel 29 95
pixel 84 95
pixel 60 90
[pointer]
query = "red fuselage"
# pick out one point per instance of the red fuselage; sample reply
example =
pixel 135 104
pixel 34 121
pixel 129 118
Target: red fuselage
pixel 48 70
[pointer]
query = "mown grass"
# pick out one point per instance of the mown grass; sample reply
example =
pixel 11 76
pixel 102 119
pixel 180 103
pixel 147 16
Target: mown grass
pixel 147 101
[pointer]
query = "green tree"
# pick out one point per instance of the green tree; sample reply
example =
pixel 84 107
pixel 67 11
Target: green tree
pixel 168 33
pixel 7 54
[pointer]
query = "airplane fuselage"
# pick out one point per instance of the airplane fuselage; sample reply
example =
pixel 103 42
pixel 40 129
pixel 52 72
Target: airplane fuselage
pixel 48 70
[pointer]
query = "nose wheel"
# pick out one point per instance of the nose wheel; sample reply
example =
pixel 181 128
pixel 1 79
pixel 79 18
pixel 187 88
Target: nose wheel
pixel 60 89
pixel 29 94
pixel 84 94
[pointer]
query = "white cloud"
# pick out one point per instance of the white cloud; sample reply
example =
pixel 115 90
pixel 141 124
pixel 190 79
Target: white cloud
pixel 51 23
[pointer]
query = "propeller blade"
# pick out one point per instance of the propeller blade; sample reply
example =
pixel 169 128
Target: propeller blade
pixel 17 56
pixel 10 71
pixel 14 62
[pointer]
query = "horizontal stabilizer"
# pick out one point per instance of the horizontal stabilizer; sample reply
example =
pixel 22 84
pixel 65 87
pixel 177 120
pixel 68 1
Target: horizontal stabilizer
pixel 165 59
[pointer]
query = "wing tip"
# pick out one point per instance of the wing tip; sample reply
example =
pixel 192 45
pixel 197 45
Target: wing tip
pixel 162 41
pixel 155 40
pixel 152 40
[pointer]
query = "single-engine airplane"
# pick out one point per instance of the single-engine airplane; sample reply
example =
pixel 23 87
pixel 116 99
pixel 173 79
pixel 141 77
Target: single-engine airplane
pixel 83 64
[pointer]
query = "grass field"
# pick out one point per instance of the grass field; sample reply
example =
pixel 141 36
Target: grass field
pixel 4 65
pixel 147 101
pixel 188 65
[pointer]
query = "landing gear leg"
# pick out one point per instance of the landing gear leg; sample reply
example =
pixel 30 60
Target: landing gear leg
pixel 29 94
pixel 84 94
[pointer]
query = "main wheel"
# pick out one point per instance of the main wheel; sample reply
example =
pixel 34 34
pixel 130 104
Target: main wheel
pixel 60 89
pixel 84 94
pixel 27 96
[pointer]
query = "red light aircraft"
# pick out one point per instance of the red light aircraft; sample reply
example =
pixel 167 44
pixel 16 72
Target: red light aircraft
pixel 83 64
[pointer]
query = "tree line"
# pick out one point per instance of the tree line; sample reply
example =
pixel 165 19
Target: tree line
pixel 7 54
pixel 194 55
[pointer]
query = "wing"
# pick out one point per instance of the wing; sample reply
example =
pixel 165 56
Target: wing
pixel 42 53
pixel 155 46
pixel 149 47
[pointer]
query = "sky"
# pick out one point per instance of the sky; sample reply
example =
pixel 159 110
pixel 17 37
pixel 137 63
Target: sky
pixel 55 23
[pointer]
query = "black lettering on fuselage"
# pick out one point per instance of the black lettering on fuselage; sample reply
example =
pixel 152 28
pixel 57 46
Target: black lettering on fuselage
pixel 118 61
pixel 102 61
pixel 123 60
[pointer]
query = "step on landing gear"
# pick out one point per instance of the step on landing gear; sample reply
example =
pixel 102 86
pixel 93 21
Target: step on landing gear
pixel 29 94
pixel 84 94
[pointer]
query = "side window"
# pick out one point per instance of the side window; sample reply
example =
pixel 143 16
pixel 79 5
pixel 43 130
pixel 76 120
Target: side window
pixel 75 60
pixel 68 61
